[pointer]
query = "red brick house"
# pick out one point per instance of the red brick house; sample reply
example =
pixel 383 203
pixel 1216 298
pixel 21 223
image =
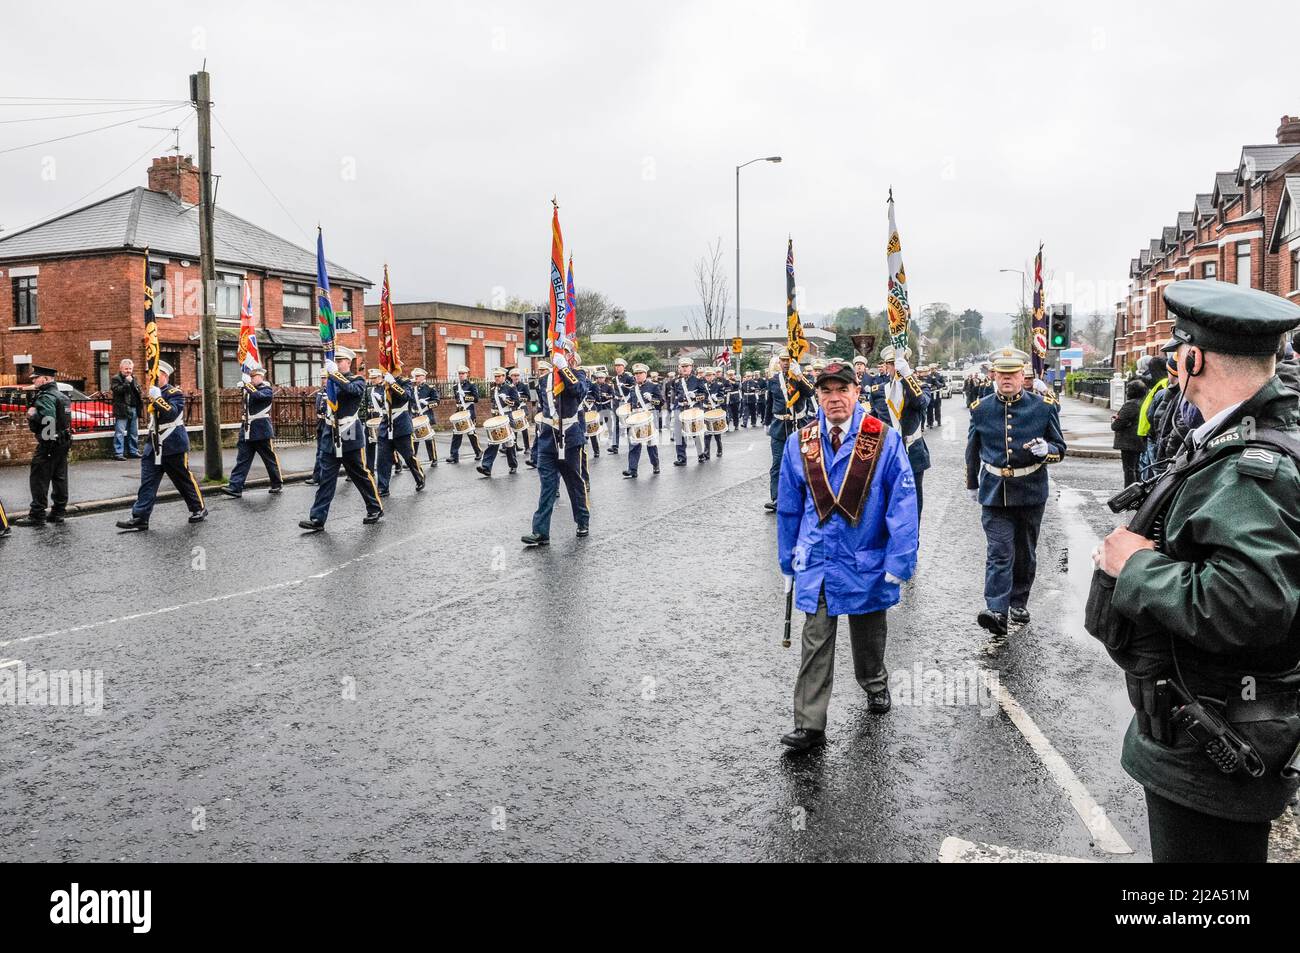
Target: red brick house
pixel 74 288
pixel 440 337
pixel 1245 230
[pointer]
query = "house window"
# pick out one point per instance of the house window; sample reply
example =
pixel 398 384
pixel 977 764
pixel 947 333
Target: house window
pixel 1210 271
pixel 229 288
pixel 1295 270
pixel 101 371
pixel 298 303
pixel 1243 264
pixel 162 292
pixel 493 357
pixel 25 315
pixel 296 368
pixel 230 371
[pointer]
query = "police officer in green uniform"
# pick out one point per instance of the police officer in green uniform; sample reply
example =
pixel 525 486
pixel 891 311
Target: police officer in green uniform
pixel 1204 587
pixel 50 419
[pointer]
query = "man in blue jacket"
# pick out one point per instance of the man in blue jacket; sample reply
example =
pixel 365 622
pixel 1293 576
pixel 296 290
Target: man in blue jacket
pixel 846 539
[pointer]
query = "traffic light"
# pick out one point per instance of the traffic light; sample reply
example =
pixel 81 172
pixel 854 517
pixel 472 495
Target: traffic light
pixel 534 333
pixel 1058 334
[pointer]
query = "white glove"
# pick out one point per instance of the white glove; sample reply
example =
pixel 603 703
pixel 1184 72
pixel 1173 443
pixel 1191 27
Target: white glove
pixel 1039 447
pixel 1040 386
pixel 974 495
pixel 796 369
pixel 155 392
pixel 245 378
pixel 560 362
pixel 901 365
pixel 331 367
pixel 892 579
pixel 789 582
pixel 390 379
pixel 31 411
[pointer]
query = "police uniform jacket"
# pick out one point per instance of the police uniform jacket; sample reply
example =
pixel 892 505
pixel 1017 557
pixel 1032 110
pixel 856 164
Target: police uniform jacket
pixel 999 429
pixel 850 561
pixel 257 409
pixel 51 404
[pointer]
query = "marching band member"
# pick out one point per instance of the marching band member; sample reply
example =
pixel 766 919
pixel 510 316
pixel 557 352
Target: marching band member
pixel 256 434
pixel 504 399
pixel 376 410
pixel 395 434
pixel 520 387
pixel 324 444
pixel 348 430
pixel 731 397
pixel 644 395
pixel 906 402
pixel 426 398
pixel 684 392
pixel 622 384
pixel 846 541
pixel 788 395
pixel 751 388
pixel 661 413
pixel 465 393
pixel 599 397
pixel 165 451
pixel 716 394
pixel 560 449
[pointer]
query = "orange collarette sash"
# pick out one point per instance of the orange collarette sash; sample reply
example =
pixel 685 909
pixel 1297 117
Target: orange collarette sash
pixel 857 481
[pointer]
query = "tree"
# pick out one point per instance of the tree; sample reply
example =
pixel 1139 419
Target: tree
pixel 1099 332
pixel 708 321
pixel 513 303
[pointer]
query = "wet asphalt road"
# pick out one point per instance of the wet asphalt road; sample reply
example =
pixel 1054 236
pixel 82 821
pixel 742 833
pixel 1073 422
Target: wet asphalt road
pixel 428 689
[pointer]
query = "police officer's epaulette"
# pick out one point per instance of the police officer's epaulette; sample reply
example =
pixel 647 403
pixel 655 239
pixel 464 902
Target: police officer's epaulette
pixel 569 376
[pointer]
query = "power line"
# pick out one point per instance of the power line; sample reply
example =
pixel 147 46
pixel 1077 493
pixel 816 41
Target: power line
pixel 86 132
pixel 101 112
pixel 83 100
pixel 258 176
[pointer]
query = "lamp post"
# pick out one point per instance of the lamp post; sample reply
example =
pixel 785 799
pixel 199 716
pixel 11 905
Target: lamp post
pixel 1021 273
pixel 738 168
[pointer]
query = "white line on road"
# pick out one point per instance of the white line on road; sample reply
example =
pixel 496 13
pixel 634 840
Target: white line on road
pixel 6 662
pixel 1090 812
pixel 954 850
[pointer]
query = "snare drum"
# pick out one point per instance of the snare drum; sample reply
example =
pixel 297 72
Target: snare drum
pixel 715 421
pixel 498 430
pixel 421 429
pixel 461 422
pixel 519 420
pixel 640 427
pixel 693 421
pixel 591 425
pixel 623 410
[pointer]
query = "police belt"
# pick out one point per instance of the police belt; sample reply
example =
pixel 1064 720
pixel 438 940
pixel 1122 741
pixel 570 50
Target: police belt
pixel 1155 709
pixel 1009 472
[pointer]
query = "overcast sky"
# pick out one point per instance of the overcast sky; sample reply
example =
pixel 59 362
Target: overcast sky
pixel 433 135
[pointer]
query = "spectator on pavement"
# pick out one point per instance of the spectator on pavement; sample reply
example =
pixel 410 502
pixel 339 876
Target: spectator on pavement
pixel 126 412
pixel 1125 423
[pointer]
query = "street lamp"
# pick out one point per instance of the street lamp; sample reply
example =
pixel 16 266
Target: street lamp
pixel 1021 273
pixel 738 168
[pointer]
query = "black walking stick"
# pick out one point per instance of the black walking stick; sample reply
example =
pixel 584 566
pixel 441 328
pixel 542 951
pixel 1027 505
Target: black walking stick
pixel 789 607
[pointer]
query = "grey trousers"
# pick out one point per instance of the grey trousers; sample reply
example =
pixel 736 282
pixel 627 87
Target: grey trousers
pixel 812 689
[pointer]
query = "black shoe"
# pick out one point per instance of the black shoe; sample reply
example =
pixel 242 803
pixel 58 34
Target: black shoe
pixel 801 739
pixel 484 470
pixel 4 531
pixel 311 482
pixel 234 494
pixel 770 506
pixel 679 463
pixel 275 489
pixel 383 494
pixel 533 539
pixel 629 474
pixel 514 470
pixel 530 464
pixel 656 470
pixel 1019 615
pixel 120 459
pixel 879 702
pixel 433 463
pixel 613 449
pixel 995 622
pixel 198 516
pixel 719 454
pixel 596 455
pixel 314 525
pixel 28 521
pixel 371 518
pixel 55 518
pixel 134 523
pixel 453 460
pixel 419 487
pixel 701 458
pixel 583 532
pixel 478 456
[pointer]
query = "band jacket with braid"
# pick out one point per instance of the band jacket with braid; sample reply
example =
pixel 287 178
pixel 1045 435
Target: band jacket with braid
pixel 999 429
pixel 911 417
pixel 167 409
pixel 257 400
pixel 1224 582
pixel 350 393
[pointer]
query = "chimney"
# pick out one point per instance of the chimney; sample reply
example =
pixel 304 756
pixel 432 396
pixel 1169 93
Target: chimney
pixel 177 175
pixel 1288 133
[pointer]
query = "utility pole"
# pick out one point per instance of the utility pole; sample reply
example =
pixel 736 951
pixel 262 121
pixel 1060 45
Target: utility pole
pixel 201 97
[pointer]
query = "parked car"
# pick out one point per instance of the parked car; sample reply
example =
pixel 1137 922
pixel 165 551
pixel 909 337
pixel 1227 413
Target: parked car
pixel 88 414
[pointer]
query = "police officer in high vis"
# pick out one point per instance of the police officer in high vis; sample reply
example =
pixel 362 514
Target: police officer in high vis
pixel 347 445
pixel 643 395
pixel 1198 598
pixel 560 448
pixel 256 433
pixel 50 420
pixel 905 404
pixel 1013 436
pixel 166 451
pixel 787 402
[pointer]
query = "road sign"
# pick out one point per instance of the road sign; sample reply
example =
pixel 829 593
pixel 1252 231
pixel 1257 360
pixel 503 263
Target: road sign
pixel 737 344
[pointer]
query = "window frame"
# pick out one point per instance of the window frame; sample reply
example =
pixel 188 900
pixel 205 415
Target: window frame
pixel 1240 247
pixel 295 288
pixel 26 297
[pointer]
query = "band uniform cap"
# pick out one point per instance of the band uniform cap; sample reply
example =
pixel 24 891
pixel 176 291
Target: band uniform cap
pixel 165 368
pixel 256 369
pixel 783 354
pixel 618 361
pixel 374 372
pixel 43 370
pixel 543 365
pixel 640 369
pixel 1227 318
pixel 498 372
pixel 861 360
pixel 344 353
pixel 462 369
pixel 1008 360
pixel 416 372
pixel 685 362
pixel 887 353
pixel 836 371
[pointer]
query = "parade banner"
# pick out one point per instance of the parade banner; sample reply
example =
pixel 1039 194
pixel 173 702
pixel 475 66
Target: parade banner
pixel 570 308
pixel 248 355
pixel 390 360
pixel 152 354
pixel 900 311
pixel 325 318
pixel 796 343
pixel 557 332
pixel 1039 350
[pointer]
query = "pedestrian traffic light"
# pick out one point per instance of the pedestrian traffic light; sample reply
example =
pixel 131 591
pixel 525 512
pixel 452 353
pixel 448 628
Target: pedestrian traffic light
pixel 1058 335
pixel 534 333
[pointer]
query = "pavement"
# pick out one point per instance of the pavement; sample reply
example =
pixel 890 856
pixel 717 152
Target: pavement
pixel 1087 429
pixel 427 688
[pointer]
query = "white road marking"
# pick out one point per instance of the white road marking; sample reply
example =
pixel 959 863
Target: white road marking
pixel 6 662
pixel 954 850
pixel 1090 812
